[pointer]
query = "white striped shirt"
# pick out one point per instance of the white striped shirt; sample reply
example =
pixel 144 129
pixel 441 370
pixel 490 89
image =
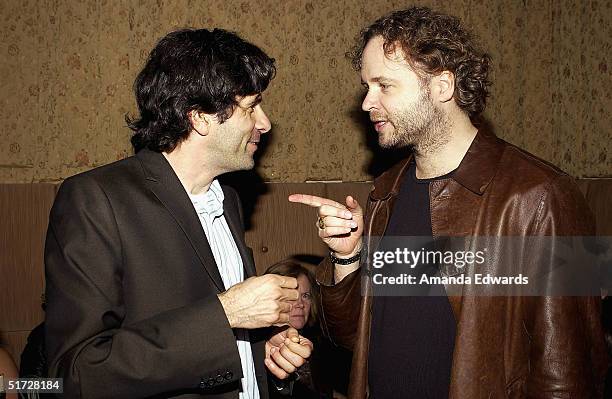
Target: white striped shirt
pixel 209 207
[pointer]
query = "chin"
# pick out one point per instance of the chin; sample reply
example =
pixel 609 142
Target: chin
pixel 298 324
pixel 395 142
pixel 247 164
pixel 385 144
pixel 389 142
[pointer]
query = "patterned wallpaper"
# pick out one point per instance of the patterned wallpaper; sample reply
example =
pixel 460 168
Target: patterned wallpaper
pixel 67 68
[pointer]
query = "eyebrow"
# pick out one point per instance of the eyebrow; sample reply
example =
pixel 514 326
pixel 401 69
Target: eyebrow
pixel 380 79
pixel 255 101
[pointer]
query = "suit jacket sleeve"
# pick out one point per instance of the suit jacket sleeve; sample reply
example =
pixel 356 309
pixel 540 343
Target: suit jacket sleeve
pixel 87 342
pixel 567 353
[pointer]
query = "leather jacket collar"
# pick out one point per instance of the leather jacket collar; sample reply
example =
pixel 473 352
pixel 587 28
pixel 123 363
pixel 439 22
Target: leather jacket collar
pixel 475 172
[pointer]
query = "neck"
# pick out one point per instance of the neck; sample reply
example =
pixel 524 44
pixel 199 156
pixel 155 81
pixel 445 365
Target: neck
pixel 446 157
pixel 192 167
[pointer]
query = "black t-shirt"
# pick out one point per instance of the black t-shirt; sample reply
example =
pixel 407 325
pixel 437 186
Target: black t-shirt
pixel 412 337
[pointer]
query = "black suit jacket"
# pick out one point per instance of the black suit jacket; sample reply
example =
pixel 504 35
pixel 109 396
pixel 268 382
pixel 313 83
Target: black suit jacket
pixel 132 307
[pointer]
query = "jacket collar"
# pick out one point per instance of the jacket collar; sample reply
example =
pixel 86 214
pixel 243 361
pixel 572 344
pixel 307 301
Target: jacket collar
pixel 480 163
pixel 166 186
pixel 475 172
pixel 388 183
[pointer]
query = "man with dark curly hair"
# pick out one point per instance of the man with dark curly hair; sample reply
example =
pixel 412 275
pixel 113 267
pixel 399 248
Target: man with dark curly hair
pixel 427 83
pixel 150 286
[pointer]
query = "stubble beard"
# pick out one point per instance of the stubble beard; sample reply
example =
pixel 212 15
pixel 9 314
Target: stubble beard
pixel 234 156
pixel 242 160
pixel 422 127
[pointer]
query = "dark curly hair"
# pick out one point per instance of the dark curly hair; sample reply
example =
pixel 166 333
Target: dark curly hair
pixel 194 69
pixel 431 43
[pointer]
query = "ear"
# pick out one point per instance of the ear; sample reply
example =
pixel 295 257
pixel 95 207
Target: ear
pixel 200 122
pixel 444 86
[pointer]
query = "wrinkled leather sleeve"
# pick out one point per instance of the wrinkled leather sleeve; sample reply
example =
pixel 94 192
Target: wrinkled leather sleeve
pixel 567 353
pixel 340 304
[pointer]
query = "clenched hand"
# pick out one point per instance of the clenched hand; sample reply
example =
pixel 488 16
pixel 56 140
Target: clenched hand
pixel 286 351
pixel 260 301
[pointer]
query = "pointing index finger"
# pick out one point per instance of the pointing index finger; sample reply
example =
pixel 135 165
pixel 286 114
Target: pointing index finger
pixel 313 200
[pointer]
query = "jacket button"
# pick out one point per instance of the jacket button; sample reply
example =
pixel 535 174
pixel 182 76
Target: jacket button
pixel 219 379
pixel 211 382
pixel 202 383
pixel 229 375
pixel 264 249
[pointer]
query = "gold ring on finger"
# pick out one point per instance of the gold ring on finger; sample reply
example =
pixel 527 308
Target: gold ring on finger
pixel 321 223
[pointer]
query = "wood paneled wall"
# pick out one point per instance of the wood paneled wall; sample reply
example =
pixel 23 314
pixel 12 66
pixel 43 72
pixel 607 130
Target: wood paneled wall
pixel 281 229
pixel 598 194
pixel 24 213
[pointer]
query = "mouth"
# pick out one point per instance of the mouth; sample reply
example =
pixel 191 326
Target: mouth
pixel 253 143
pixel 254 140
pixel 379 124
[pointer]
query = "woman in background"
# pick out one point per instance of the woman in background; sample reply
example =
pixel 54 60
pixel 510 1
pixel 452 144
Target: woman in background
pixel 307 381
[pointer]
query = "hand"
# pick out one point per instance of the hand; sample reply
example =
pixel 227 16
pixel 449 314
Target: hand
pixel 286 351
pixel 343 224
pixel 260 301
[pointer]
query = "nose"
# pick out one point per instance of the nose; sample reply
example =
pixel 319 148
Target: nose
pixel 262 123
pixel 299 303
pixel 369 102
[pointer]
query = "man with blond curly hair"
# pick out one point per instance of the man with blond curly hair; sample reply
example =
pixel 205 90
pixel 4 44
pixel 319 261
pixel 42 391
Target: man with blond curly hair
pixel 427 83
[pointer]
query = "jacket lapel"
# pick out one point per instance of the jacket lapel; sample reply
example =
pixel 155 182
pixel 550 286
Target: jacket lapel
pixel 234 221
pixel 166 186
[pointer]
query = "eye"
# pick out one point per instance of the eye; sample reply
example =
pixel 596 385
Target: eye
pixel 306 296
pixel 252 108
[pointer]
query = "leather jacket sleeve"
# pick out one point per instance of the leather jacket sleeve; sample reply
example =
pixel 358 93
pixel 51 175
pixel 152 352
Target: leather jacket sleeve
pixel 567 356
pixel 340 304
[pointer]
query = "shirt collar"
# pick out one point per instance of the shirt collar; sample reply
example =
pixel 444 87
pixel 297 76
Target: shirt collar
pixel 210 202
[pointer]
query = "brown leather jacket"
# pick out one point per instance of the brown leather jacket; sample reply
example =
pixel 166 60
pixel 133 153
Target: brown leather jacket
pixel 505 346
